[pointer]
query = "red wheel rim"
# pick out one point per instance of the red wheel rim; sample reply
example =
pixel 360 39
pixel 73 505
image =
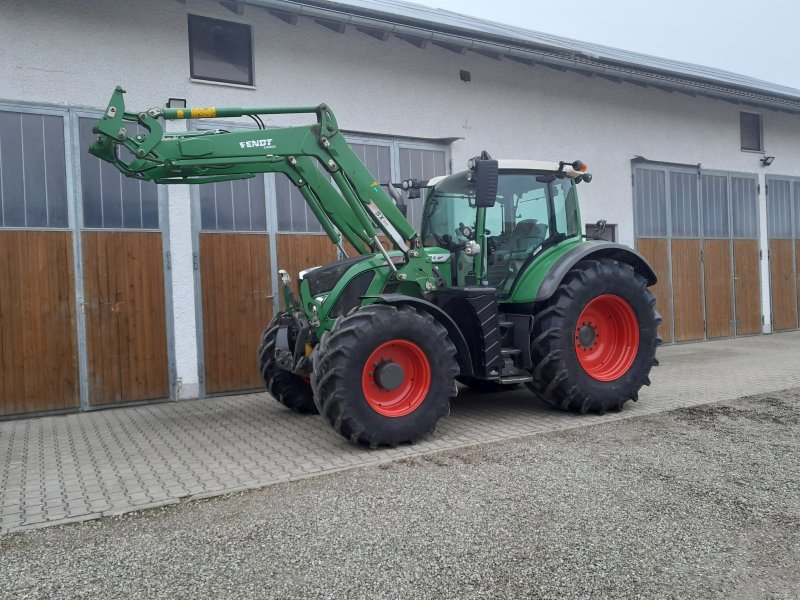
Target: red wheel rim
pixel 607 337
pixel 392 392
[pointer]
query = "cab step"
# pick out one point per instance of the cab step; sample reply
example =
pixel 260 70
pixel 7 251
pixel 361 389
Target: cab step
pixel 516 379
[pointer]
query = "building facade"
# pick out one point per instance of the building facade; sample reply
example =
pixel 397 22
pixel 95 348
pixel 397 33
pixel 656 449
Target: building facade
pixel 114 291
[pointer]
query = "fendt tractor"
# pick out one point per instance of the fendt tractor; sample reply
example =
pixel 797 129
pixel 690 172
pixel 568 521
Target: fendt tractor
pixel 499 288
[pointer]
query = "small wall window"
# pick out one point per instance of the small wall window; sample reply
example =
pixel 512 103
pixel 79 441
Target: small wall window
pixel 609 233
pixel 220 50
pixel 750 126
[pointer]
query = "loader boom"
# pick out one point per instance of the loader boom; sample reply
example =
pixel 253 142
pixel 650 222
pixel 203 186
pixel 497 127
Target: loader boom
pixel 356 207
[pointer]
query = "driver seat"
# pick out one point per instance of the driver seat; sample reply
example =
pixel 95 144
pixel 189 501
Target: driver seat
pixel 528 235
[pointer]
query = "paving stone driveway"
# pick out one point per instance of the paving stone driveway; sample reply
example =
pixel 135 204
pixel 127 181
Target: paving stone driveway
pixel 83 466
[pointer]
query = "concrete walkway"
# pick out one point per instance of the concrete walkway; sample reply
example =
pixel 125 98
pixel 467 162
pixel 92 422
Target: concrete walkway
pixel 61 469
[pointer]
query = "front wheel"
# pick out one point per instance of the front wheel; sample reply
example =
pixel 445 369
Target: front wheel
pixel 289 389
pixel 384 375
pixel 594 341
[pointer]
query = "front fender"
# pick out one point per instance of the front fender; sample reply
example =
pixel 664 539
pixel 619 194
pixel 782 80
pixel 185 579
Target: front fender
pixel 456 336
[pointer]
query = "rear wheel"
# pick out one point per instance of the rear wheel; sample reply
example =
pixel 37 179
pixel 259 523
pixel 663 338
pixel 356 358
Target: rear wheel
pixel 384 375
pixel 594 341
pixel 289 389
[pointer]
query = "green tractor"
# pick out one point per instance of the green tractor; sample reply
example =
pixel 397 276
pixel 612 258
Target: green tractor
pixel 499 288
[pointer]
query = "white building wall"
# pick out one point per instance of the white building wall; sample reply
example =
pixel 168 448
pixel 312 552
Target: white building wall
pixel 74 53
pixel 183 286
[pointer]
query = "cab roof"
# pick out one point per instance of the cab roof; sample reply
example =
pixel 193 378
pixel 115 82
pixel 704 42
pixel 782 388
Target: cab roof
pixel 521 165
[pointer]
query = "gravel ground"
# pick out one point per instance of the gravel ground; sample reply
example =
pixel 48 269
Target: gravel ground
pixel 694 503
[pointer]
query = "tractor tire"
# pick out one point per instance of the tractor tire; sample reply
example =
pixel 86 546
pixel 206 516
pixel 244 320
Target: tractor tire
pixel 289 389
pixel 594 342
pixel 485 386
pixel 384 375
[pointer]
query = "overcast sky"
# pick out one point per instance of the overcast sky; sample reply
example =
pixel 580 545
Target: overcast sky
pixel 760 39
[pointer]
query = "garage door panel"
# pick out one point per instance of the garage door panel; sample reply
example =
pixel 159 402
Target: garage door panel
pixel 797 276
pixel 747 283
pixel 130 380
pixel 687 282
pixel 12 384
pixel 38 346
pixel 99 279
pixel 125 317
pixel 237 295
pixel 784 293
pixel 656 251
pixel 718 286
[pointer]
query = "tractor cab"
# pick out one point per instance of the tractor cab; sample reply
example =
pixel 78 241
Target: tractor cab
pixel 535 207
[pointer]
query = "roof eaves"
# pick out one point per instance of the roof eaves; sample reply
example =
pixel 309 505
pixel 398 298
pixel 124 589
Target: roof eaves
pixel 460 33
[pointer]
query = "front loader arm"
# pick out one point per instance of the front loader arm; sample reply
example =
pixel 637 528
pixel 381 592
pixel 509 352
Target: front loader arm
pixel 311 183
pixel 357 209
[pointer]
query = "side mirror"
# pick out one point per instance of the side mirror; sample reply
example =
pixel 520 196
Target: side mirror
pixel 399 201
pixel 486 174
pixel 600 227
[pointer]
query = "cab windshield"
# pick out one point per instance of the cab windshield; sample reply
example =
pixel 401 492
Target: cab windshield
pixel 531 208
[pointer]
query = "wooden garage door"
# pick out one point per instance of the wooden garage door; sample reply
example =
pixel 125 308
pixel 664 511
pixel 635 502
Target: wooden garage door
pixel 701 236
pixel 746 255
pixel 730 254
pixel 38 333
pixel 783 228
pixel 656 251
pixel 38 350
pixel 652 239
pixel 687 274
pixel 124 293
pixel 235 282
pixel 687 285
pixel 126 317
pixel 668 234
pixel 717 257
pixel 237 305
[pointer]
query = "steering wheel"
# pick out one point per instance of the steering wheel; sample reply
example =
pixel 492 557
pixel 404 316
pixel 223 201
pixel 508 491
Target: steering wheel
pixel 491 245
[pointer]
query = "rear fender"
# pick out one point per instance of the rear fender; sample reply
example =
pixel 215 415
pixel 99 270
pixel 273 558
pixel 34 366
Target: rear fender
pixel 596 249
